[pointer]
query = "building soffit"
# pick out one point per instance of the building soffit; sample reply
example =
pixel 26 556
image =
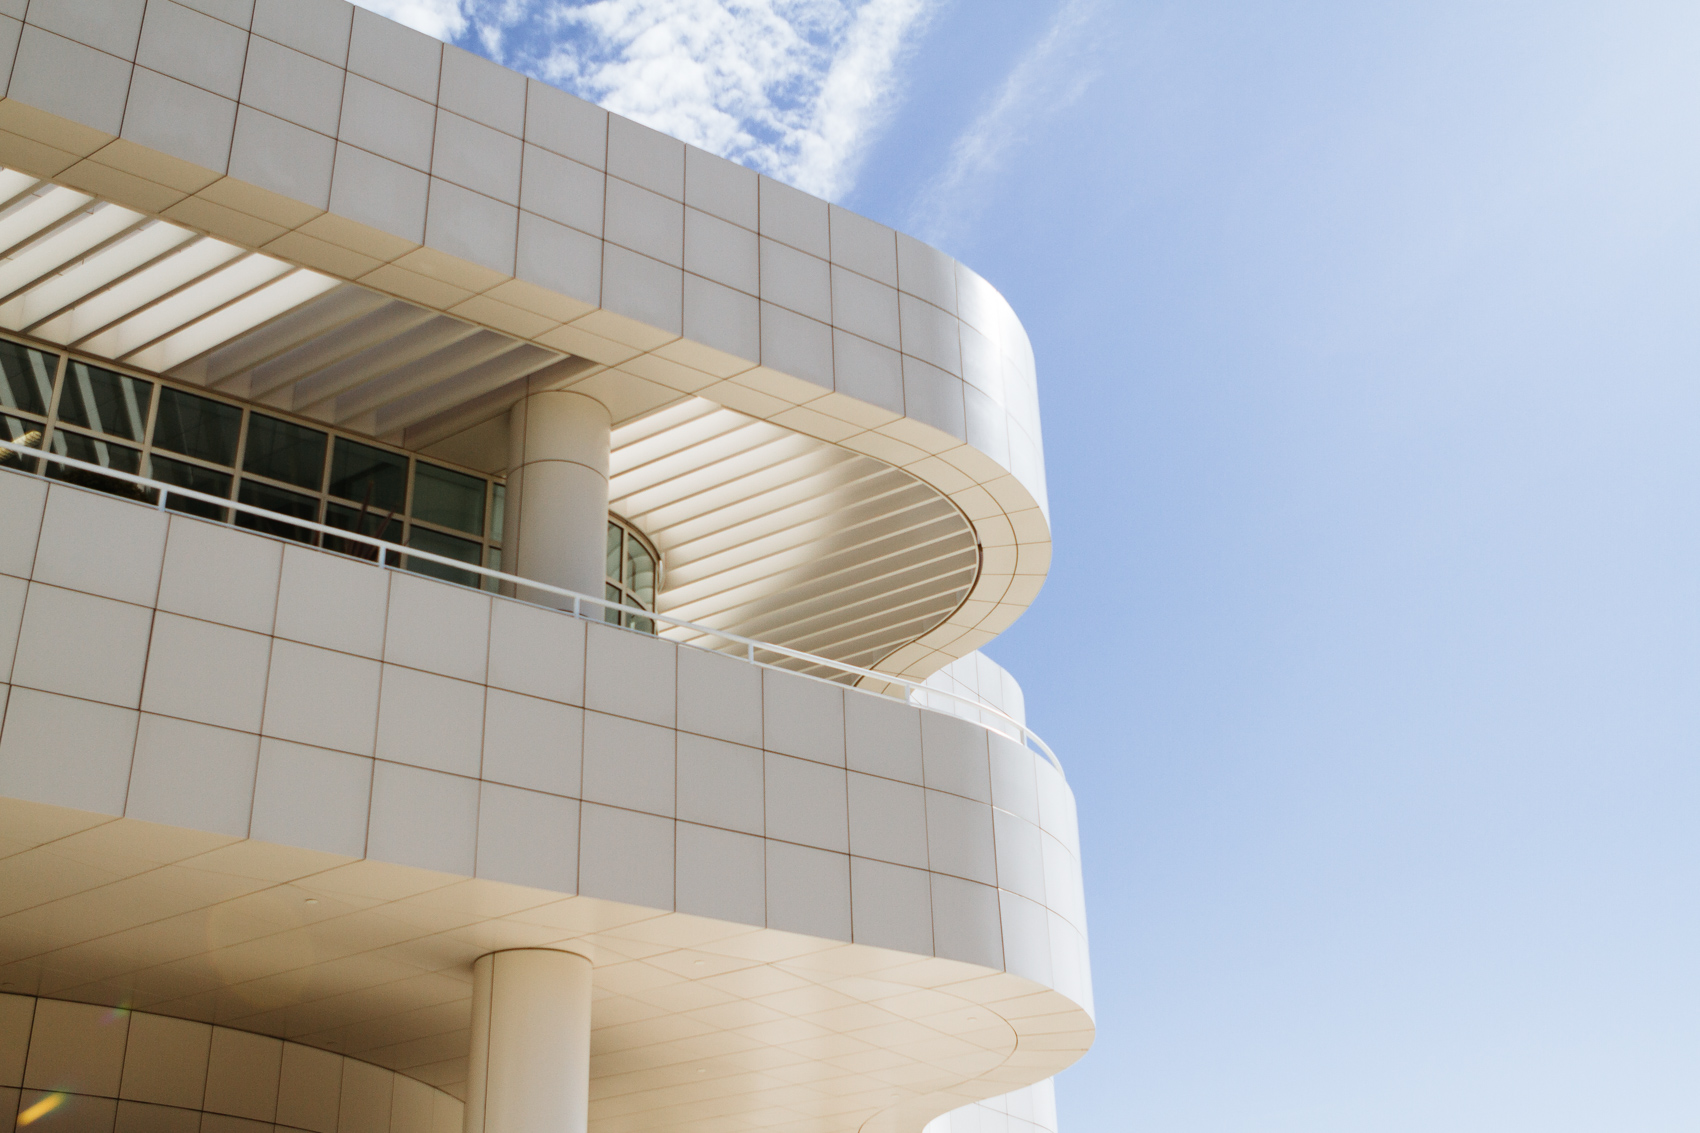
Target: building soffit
pixel 636 331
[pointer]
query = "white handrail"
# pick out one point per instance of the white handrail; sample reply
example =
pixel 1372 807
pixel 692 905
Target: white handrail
pixel 1023 734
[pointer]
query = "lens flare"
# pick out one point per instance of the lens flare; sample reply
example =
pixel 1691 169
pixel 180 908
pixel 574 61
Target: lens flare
pixel 40 1109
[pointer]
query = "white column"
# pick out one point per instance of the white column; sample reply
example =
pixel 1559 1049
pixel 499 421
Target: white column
pixel 529 1070
pixel 555 528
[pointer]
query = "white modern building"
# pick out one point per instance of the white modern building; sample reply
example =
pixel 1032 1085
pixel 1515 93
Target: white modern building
pixel 489 610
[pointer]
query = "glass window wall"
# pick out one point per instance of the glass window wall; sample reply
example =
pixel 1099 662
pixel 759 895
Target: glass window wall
pixel 292 469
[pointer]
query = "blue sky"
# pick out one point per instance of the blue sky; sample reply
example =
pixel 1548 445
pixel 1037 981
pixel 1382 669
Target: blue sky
pixel 1369 345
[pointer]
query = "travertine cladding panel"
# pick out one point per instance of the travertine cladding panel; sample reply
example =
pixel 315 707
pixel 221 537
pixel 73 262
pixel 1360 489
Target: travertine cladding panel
pixel 192 674
pixel 340 140
pixel 131 1072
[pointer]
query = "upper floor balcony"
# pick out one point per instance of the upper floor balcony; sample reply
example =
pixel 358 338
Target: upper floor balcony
pixel 828 430
pixel 272 786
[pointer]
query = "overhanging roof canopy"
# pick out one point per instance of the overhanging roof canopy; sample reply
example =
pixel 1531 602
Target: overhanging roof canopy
pixel 764 532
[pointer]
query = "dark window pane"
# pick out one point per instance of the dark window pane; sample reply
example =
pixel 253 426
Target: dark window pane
pixel 281 501
pixel 26 378
pixel 498 511
pixel 369 476
pixel 493 560
pixel 612 593
pixel 104 401
pixel 197 426
pixel 19 432
pixel 439 544
pixel 283 450
pixel 370 523
pixel 182 474
pixel 121 458
pixel 612 570
pixel 448 498
pixel 379 526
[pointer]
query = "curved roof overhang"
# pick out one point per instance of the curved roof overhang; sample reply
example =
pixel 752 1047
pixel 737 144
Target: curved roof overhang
pixel 909 396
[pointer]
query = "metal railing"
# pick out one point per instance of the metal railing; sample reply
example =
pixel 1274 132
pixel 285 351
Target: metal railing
pixel 1002 722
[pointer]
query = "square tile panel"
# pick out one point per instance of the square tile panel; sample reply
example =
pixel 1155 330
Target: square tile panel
pixel 318 27
pixel 91 745
pixel 486 92
pixel 22 499
pixel 954 755
pixel 309 1088
pixel 78 1047
pixel 1020 855
pixel 882 736
pixel 528 838
pixel 805 803
pixel 69 79
pixel 192 775
pixel 193 47
pixel 803 717
pixel 960 837
pixel 78 531
pixel 291 160
pixel 533 743
pixel 312 798
pixel 629 764
pixel 537 651
pixel 646 157
pixel 165 1061
pixel 437 627
pixel 626 856
pixel 423 818
pixel 566 191
pixel 114 29
pixel 397 56
pixel 566 125
pixel 387 122
pixel 721 874
pixel 220 574
pixel 720 697
pixel 476 157
pixel 724 188
pixel 808 891
pixel 180 120
pixel 430 721
pixel 891 906
pixel 332 602
pixel 292 85
pixel 888 820
pixel 206 672
pixel 316 696
pixel 630 674
pixel 720 784
pixel 57 646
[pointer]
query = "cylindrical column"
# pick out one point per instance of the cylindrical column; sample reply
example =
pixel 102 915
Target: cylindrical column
pixel 556 524
pixel 529 1070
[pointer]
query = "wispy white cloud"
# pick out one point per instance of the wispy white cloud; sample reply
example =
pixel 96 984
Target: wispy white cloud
pixel 1053 74
pixel 794 88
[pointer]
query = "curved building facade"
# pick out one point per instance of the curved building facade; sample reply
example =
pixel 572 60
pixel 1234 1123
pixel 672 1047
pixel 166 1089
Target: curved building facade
pixel 489 611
